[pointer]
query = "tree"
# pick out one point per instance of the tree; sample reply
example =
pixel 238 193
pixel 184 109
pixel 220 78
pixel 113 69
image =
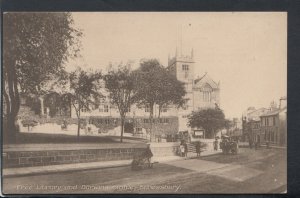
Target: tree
pixel 171 91
pixel 228 125
pixel 211 120
pixel 156 86
pixel 120 84
pixel 35 47
pixel 82 90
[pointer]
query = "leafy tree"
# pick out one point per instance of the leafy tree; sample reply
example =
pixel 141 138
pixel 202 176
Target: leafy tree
pixel 211 120
pixel 56 104
pixel 156 86
pixel 52 101
pixel 120 84
pixel 82 90
pixel 35 47
pixel 171 91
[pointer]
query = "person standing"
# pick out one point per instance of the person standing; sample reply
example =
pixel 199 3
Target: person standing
pixel 198 151
pixel 216 143
pixel 185 150
pixel 182 152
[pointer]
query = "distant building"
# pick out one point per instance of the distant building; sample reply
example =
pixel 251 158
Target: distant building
pixel 236 128
pixel 274 125
pixel 251 123
pixel 267 125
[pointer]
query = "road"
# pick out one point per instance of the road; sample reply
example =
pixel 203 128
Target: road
pixel 251 171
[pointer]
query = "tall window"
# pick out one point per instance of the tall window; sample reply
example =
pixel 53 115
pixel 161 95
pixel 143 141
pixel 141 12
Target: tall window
pixel 185 67
pixel 274 121
pixel 206 96
pixel 147 108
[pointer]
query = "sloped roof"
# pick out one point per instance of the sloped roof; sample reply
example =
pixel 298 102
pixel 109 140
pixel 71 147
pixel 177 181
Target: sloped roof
pixel 205 79
pixel 274 112
pixel 255 114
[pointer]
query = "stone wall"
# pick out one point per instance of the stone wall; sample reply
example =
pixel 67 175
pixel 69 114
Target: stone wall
pixel 13 159
pixel 165 149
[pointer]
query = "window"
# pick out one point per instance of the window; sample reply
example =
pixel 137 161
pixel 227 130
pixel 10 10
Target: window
pixel 274 121
pixel 272 136
pixel 139 130
pixel 185 67
pixel 164 120
pixel 146 120
pixel 147 108
pixel 206 96
pixel 128 109
pixel 103 108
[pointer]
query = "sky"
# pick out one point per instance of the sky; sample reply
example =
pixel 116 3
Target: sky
pixel 245 51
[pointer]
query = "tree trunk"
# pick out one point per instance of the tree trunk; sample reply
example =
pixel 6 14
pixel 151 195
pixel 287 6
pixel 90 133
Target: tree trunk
pixel 122 128
pixel 78 129
pixel 151 121
pixel 9 131
pixel 42 105
pixel 12 102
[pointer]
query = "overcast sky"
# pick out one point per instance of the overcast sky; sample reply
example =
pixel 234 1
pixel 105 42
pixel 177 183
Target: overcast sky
pixel 246 52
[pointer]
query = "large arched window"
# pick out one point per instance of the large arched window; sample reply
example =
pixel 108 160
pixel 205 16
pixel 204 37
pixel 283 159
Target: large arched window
pixel 206 90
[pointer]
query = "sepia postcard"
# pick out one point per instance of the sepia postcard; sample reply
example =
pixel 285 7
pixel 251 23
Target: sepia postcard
pixel 144 103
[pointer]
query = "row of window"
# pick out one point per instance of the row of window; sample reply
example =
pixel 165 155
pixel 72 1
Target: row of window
pixel 271 136
pixel 268 121
pixel 102 121
pixel 113 121
pixel 161 120
pixel 105 108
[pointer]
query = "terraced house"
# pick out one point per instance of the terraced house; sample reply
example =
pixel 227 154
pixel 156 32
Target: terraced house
pixel 274 126
pixel 267 125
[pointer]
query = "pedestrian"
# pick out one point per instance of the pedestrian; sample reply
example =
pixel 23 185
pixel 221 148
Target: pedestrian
pixel 198 151
pixel 181 149
pixel 148 154
pixel 216 144
pixel 185 150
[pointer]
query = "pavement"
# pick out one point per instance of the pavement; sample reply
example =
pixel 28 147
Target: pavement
pixel 36 170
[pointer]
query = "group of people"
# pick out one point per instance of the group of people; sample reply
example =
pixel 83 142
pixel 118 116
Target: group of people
pixel 184 148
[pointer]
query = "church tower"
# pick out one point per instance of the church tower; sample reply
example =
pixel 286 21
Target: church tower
pixel 182 66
